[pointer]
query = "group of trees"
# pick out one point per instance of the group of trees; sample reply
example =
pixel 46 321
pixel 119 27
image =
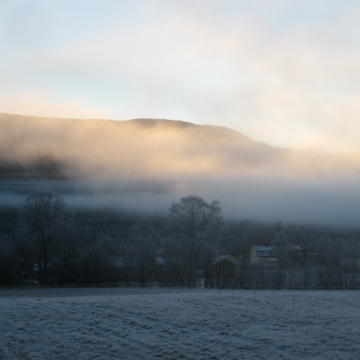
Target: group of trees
pixel 48 243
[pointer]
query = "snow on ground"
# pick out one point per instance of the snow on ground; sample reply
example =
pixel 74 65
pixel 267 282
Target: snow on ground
pixel 136 324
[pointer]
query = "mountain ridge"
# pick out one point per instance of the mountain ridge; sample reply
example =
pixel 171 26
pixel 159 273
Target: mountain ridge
pixel 147 148
pixel 146 122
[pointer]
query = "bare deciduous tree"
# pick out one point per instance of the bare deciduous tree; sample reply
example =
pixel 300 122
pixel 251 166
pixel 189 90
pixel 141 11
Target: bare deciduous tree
pixel 43 216
pixel 194 222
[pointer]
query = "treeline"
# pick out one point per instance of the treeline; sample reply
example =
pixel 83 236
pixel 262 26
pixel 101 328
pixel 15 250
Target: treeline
pixel 45 242
pixel 41 167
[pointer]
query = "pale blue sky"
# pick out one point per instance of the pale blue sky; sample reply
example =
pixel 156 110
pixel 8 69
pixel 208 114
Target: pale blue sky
pixel 283 71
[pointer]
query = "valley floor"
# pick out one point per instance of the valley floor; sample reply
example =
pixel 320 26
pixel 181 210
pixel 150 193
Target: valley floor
pixel 134 324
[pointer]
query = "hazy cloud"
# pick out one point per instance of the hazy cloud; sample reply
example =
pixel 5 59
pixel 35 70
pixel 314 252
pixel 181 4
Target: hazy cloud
pixel 147 164
pixel 281 72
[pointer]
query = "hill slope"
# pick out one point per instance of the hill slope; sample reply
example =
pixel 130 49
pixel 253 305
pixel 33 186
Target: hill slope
pixel 57 147
pixel 146 164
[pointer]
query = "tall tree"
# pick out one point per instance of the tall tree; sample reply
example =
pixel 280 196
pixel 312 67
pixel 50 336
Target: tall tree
pixel 43 216
pixel 195 223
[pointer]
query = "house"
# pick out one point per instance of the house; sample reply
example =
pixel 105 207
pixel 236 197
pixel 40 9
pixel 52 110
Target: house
pixel 225 271
pixel 117 262
pixel 350 263
pixel 295 250
pixel 167 270
pixel 263 255
pixel 227 264
pixel 123 269
pixel 274 256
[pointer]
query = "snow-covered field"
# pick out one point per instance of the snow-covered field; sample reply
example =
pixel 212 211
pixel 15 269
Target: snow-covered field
pixel 110 323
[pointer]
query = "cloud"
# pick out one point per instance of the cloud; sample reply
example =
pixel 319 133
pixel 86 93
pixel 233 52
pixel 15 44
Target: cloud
pixel 41 104
pixel 147 164
pixel 284 74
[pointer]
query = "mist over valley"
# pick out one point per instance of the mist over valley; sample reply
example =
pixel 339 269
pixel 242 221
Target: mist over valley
pixel 146 164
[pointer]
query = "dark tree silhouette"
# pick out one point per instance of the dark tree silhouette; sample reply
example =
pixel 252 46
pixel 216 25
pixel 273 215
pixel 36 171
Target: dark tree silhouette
pixel 43 217
pixel 194 222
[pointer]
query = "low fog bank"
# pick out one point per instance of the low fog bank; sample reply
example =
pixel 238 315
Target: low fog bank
pixel 145 165
pixel 247 198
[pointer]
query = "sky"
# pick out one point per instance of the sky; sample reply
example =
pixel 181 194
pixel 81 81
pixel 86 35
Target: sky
pixel 285 72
